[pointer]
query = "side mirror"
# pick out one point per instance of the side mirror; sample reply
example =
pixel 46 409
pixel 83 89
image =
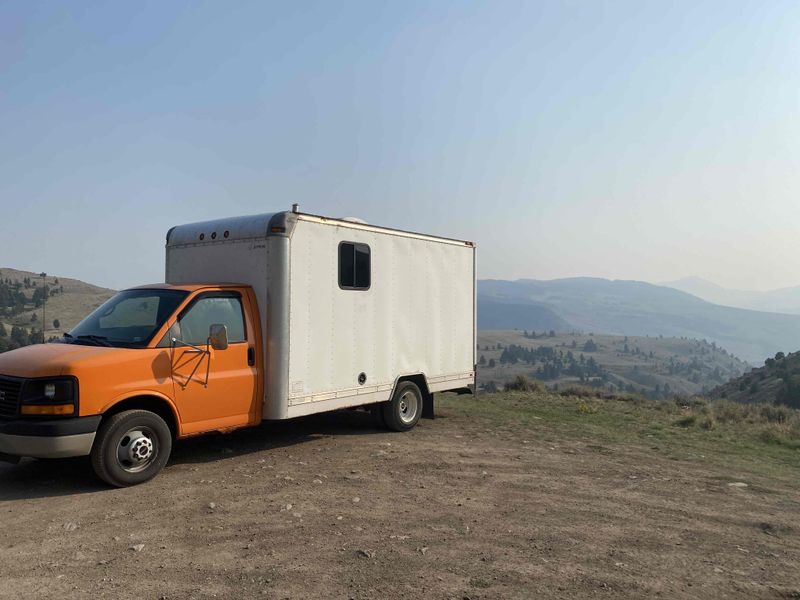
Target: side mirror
pixel 218 336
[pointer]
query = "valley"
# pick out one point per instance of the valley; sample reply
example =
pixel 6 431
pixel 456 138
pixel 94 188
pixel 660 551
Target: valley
pixel 654 367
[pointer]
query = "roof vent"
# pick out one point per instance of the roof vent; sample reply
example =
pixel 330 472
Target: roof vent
pixel 295 208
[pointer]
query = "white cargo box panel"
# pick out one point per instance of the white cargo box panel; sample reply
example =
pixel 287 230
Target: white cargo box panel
pixel 328 347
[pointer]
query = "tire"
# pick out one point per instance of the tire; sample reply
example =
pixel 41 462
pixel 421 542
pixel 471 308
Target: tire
pixel 131 447
pixel 403 411
pixel 376 412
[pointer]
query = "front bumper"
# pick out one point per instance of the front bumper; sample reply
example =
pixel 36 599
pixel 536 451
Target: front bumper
pixel 58 438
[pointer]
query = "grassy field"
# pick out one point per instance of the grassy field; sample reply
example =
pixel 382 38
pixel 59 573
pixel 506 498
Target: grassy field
pixel 759 439
pixel 652 366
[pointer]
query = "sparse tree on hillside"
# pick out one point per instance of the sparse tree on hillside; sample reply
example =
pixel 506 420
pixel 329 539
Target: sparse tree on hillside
pixel 3 332
pixel 490 388
pixel 19 336
pixel 482 360
pixel 492 363
pixel 34 318
pixel 56 324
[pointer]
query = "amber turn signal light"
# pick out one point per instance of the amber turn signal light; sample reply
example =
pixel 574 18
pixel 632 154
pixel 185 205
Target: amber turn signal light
pixel 47 409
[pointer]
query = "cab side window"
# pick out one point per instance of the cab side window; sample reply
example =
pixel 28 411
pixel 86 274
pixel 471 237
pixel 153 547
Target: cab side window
pixel 193 326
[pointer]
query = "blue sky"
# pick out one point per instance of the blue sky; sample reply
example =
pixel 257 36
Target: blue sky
pixel 642 140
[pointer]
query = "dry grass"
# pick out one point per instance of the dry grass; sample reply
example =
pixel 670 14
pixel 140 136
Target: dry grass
pixel 753 437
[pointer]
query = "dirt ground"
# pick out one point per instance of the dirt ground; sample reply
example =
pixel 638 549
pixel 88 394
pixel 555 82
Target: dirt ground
pixel 329 507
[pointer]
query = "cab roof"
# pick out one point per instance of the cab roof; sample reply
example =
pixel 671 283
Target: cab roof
pixel 186 287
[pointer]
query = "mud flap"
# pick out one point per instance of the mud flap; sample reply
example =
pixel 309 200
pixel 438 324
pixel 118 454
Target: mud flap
pixel 427 406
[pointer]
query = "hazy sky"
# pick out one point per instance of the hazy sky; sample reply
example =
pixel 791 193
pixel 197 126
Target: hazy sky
pixel 638 140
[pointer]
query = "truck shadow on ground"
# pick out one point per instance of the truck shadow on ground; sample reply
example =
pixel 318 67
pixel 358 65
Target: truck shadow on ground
pixel 51 478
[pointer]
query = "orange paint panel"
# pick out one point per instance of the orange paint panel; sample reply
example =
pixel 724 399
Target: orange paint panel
pixel 222 394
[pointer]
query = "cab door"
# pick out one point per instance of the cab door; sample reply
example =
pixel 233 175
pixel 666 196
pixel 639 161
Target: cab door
pixel 214 389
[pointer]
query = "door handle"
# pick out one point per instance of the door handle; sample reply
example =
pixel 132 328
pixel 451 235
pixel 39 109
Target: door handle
pixel 251 356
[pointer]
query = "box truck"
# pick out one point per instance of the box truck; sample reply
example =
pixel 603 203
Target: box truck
pixel 264 317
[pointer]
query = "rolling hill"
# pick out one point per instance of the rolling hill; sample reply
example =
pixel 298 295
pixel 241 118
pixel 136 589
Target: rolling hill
pixel 777 382
pixel 636 308
pixel 70 301
pixel 654 367
pixel 501 314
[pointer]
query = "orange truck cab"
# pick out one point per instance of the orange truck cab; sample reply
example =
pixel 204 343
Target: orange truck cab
pixel 146 349
pixel 327 314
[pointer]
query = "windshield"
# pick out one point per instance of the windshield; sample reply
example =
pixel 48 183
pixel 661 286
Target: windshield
pixel 128 320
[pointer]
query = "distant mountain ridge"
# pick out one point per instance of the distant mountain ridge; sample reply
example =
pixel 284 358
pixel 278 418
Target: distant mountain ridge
pixel 784 300
pixel 621 307
pixel 498 313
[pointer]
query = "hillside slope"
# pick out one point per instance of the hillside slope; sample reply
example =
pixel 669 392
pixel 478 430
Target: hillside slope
pixel 499 314
pixel 639 309
pixel 654 367
pixel 777 382
pixel 71 301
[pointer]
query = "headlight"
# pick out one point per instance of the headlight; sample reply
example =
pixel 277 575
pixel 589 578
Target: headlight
pixel 49 397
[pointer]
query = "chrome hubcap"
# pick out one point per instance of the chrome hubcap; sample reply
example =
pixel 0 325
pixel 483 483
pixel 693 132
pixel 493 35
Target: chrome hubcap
pixel 136 449
pixel 409 404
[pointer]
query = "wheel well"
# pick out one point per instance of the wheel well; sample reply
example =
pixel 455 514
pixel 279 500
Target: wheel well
pixel 151 403
pixel 427 396
pixel 418 379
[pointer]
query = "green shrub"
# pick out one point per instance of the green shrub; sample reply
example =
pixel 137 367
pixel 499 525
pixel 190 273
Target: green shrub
pixel 726 411
pixel 523 384
pixel 579 391
pixel 708 423
pixel 775 414
pixel 686 421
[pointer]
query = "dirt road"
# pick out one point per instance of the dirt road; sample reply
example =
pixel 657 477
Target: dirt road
pixel 328 507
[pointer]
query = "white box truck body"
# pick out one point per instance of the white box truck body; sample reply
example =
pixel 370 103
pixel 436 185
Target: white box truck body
pixel 347 309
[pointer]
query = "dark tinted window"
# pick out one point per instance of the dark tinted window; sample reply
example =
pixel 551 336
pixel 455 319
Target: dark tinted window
pixel 354 266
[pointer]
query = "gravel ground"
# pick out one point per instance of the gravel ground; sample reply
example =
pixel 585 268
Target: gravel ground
pixel 460 507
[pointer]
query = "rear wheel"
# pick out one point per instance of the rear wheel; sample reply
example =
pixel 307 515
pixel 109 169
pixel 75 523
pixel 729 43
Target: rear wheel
pixel 131 447
pixel 376 412
pixel 403 411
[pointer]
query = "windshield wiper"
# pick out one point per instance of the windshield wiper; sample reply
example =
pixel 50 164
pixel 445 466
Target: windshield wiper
pixel 100 340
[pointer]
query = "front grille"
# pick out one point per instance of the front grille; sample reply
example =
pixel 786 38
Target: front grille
pixel 9 396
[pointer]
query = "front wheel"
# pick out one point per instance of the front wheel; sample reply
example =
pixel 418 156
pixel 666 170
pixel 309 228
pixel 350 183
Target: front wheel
pixel 131 447
pixel 403 411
